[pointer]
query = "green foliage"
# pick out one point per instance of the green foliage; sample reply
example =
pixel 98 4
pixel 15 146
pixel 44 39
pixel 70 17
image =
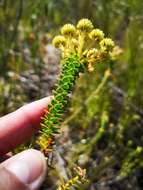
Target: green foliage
pixel 110 154
pixel 71 67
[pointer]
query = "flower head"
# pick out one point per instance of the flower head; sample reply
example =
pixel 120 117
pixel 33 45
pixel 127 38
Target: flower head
pixel 92 57
pixel 68 30
pixel 107 44
pixel 116 52
pixel 92 53
pixel 80 40
pixel 58 41
pixel 84 25
pixel 96 35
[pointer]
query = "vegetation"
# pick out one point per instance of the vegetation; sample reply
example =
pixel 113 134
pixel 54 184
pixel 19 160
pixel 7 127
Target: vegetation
pixel 102 129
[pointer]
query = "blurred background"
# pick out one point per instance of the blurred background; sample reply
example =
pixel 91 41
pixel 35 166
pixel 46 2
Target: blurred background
pixel 103 127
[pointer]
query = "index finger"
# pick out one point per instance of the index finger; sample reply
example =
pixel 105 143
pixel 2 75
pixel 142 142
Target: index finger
pixel 19 126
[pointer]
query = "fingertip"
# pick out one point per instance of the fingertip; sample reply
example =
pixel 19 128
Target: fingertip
pixel 28 166
pixel 19 126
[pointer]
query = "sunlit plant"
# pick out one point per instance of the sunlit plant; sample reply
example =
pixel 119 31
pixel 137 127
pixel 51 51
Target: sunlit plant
pixel 82 47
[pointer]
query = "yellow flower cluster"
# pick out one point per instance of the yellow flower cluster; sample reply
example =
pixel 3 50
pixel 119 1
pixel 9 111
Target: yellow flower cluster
pixel 85 41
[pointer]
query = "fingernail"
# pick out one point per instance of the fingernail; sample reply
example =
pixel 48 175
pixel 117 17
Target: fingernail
pixel 29 167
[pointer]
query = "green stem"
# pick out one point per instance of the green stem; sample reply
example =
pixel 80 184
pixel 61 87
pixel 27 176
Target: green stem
pixel 71 67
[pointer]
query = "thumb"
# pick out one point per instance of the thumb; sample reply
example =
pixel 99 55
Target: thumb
pixel 25 171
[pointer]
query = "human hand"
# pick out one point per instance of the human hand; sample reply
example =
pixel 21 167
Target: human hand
pixel 26 170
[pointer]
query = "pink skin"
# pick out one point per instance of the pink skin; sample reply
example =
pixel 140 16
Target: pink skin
pixel 17 127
